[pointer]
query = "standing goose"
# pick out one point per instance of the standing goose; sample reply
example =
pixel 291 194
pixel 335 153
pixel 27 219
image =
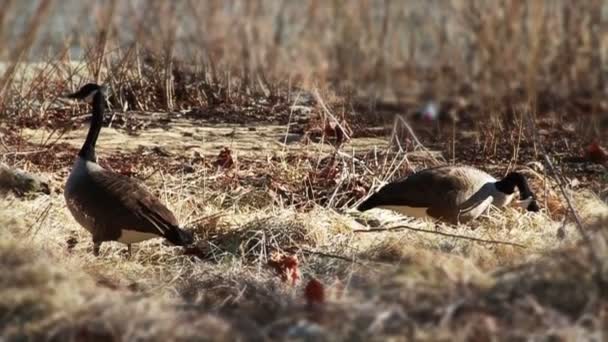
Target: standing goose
pixel 110 206
pixel 454 194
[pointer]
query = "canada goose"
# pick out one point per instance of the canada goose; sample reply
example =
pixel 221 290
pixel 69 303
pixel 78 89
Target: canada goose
pixel 454 194
pixel 429 112
pixel 113 207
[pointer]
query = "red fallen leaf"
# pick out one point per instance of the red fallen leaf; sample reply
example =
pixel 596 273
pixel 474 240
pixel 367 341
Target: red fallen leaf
pixel 224 158
pixel 595 153
pixel 286 267
pixel 314 292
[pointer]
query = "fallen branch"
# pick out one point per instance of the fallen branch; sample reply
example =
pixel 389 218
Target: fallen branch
pixel 340 257
pixel 329 255
pixel 594 257
pixel 597 261
pixel 458 236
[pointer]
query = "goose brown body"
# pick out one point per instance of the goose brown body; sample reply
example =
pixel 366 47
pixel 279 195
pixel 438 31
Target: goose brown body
pixel 114 207
pixel 454 194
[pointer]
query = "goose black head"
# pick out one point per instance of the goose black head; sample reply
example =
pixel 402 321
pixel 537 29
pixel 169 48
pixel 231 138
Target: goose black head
pixel 88 91
pixel 515 179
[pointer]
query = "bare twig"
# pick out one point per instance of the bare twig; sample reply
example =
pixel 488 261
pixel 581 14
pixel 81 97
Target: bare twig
pixel 40 219
pixel 401 119
pixel 329 255
pixel 595 259
pixel 25 43
pixel 340 257
pixel 328 113
pixel 291 109
pixel 577 219
pixel 105 27
pixel 458 236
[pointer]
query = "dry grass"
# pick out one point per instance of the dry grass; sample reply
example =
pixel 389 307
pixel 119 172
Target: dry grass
pixel 518 75
pixel 378 284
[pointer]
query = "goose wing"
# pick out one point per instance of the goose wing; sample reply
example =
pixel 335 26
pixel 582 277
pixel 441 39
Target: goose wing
pixel 447 192
pixel 424 189
pixel 119 202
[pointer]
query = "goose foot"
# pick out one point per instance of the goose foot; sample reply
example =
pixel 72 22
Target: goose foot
pixel 96 246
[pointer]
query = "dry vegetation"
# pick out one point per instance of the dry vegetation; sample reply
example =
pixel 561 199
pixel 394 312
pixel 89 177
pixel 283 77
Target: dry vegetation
pixel 261 123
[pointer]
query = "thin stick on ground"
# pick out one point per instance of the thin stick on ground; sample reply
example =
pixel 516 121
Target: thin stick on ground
pixel 329 255
pixel 41 219
pixel 352 259
pixel 458 236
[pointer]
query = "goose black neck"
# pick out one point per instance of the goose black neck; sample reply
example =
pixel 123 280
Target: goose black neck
pixel 514 179
pixel 88 148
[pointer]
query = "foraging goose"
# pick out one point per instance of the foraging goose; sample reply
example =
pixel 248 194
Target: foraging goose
pixel 454 194
pixel 113 207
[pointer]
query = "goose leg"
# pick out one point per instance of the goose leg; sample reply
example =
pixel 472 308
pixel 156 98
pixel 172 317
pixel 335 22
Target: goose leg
pixel 129 250
pixel 96 246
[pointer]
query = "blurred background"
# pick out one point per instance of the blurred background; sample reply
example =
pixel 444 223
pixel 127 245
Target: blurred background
pixel 544 51
pixel 469 61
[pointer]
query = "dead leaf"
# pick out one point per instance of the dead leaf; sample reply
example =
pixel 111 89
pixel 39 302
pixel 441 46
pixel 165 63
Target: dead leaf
pixel 286 267
pixel 314 292
pixel 596 153
pixel 224 158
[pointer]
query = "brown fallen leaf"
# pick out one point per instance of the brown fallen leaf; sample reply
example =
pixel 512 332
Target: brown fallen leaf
pixel 314 292
pixel 595 153
pixel 341 131
pixel 224 158
pixel 286 267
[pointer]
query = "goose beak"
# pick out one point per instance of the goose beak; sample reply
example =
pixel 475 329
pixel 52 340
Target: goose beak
pixel 525 202
pixel 79 94
pixel 70 96
pixel 528 204
pixel 533 206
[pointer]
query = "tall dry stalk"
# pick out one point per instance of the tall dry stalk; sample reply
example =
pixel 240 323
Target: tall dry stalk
pixel 6 9
pixel 170 27
pixel 23 47
pixel 104 29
